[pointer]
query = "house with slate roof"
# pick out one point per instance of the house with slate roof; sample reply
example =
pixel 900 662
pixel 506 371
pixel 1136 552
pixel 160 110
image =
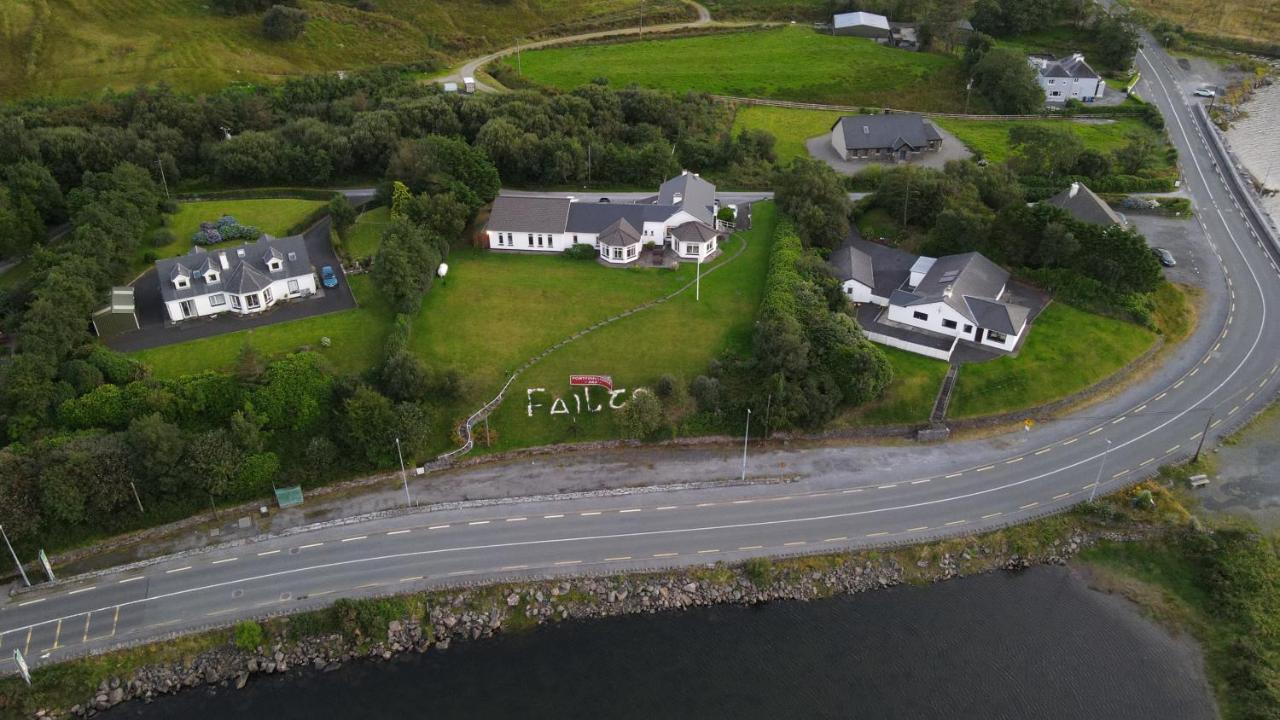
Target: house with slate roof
pixel 1068 78
pixel 1085 205
pixel 890 137
pixel 928 305
pixel 243 280
pixel 680 219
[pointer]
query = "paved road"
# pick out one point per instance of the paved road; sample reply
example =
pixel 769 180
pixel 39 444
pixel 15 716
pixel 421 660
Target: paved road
pixel 732 197
pixel 833 497
pixel 473 66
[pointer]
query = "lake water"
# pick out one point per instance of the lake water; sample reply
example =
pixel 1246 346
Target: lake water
pixel 1035 645
pixel 1256 141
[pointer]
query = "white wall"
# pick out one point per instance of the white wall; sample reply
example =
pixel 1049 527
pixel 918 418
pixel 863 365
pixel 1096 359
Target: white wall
pixel 1072 88
pixel 279 291
pixel 937 313
pixel 910 346
pixel 837 141
pixel 859 293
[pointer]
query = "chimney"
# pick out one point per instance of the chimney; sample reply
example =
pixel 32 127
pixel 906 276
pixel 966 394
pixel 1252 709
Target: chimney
pixel 222 259
pixel 946 292
pixel 684 172
pixel 1075 188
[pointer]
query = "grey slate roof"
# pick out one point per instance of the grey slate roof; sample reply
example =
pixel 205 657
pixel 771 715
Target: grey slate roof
pixel 694 232
pixel 1071 66
pixel 1086 206
pixel 529 214
pixel 697 196
pixel 969 276
pixel 586 217
pixel 890 267
pixel 851 263
pixel 1001 317
pixel 890 130
pixel 245 273
pixel 619 234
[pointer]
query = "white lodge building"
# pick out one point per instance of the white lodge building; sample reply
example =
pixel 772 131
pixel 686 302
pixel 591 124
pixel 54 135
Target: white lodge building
pixel 243 280
pixel 681 219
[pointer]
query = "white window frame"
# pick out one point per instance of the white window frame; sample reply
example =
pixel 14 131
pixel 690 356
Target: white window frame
pixel 294 287
pixel 217 300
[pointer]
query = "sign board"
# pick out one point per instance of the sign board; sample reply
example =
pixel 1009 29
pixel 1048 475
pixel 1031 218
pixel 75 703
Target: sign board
pixel 21 662
pixel 288 497
pixel 44 562
pixel 604 381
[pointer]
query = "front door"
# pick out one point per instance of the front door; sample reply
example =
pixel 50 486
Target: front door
pixel 977 335
pixel 188 308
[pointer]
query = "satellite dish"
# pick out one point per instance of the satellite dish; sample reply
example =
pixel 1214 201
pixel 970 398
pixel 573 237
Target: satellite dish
pixel 443 269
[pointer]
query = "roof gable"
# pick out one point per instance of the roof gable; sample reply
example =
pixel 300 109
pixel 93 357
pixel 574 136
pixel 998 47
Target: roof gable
pixel 889 130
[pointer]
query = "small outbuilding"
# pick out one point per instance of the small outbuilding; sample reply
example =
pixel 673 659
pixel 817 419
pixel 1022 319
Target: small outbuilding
pixel 861 24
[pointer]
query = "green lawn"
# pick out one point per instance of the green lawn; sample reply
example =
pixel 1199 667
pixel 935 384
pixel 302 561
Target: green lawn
pixel 792 63
pixel 273 216
pixel 356 335
pixel 679 337
pixel 363 238
pixel 909 398
pixel 990 138
pixel 790 127
pixel 89 45
pixel 1067 351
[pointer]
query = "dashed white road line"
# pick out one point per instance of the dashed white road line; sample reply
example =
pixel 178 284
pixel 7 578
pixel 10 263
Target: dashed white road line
pixel 1028 506
pixel 988 516
pixel 630 510
pixel 842 538
pixel 129 580
pixel 918 529
pixel 308 546
pixel 439 527
pixel 589 513
pixel 398 532
pixel 265 553
pixel 751 547
pixel 31 602
pixel 619 558
pixel 793 543
pixel 223 560
pixel 177 570
pixel 486 522
pixel 568 562
pixel 665 555
pixel 957 522
pixel 353 539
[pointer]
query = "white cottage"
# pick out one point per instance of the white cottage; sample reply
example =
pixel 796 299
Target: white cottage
pixel 1068 78
pixel 243 280
pixel 954 296
pixel 681 218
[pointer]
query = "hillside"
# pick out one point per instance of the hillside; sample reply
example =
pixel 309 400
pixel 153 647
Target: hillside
pixel 67 47
pixel 1257 20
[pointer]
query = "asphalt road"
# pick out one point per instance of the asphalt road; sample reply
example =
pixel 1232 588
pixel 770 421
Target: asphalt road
pixel 833 497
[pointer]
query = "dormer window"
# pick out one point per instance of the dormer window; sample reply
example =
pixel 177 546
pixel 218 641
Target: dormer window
pixel 274 265
pixel 211 276
pixel 180 283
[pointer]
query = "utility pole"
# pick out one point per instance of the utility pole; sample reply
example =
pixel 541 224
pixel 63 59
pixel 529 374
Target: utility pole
pixel 21 571
pixel 139 499
pixel 163 182
pixel 1203 435
pixel 967 89
pixel 1101 465
pixel 408 500
pixel 745 436
pixel 768 405
pixel 519 63
pixel 906 197
pixel 697 283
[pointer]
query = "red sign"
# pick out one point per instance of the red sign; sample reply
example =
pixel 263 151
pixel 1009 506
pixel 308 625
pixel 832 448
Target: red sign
pixel 604 381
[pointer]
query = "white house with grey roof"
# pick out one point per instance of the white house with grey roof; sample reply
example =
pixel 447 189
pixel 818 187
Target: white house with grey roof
pixel 681 218
pixel 927 305
pixel 1067 78
pixel 890 137
pixel 243 280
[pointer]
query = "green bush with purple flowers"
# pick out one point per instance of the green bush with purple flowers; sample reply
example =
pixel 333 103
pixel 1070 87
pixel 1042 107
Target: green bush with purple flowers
pixel 224 229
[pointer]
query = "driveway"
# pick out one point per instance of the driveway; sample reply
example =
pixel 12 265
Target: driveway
pixel 952 149
pixel 155 332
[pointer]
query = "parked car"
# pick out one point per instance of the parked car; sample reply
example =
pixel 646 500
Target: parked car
pixel 604 200
pixel 327 277
pixel 1205 92
pixel 1164 256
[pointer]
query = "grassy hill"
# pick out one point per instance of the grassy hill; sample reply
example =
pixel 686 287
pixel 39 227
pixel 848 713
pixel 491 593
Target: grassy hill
pixel 1257 20
pixel 81 46
pixel 791 63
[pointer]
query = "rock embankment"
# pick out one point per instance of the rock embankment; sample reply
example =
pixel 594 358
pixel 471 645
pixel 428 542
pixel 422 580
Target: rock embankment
pixel 480 612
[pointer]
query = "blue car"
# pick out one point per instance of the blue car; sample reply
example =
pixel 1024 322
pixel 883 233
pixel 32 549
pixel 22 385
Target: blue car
pixel 327 277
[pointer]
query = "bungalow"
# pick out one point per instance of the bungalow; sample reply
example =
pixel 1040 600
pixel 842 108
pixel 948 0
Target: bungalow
pixel 1068 78
pixel 927 305
pixel 242 280
pixel 1084 205
pixel 681 219
pixel 890 137
pixel 861 24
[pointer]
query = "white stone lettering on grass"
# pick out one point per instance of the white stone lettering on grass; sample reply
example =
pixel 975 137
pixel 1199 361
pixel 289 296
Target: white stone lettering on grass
pixel 529 396
pixel 559 408
pixel 581 402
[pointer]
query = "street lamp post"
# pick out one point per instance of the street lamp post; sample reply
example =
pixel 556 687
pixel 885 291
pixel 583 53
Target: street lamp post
pixel 1208 423
pixel 745 436
pixel 21 571
pixel 1101 465
pixel 697 283
pixel 408 500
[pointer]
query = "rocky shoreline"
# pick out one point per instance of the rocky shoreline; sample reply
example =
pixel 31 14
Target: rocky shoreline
pixel 481 612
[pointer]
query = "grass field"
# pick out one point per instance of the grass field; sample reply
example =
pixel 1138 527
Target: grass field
pixel 991 137
pixel 792 63
pixel 87 45
pixel 790 127
pixel 679 337
pixel 273 216
pixel 1248 19
pixel 1067 351
pixel 363 238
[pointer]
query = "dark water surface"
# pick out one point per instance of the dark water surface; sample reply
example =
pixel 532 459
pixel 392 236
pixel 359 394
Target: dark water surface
pixel 1035 645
